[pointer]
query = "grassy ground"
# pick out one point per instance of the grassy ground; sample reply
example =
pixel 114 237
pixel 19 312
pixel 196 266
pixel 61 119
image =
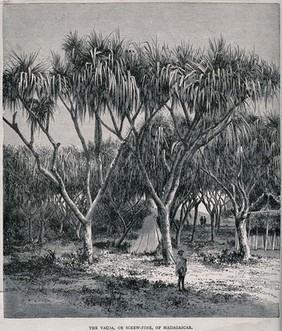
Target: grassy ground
pixel 50 282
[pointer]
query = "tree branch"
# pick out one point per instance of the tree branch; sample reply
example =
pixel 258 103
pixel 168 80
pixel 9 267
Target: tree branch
pixel 223 187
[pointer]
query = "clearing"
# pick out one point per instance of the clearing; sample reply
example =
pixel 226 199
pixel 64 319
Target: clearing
pixel 49 281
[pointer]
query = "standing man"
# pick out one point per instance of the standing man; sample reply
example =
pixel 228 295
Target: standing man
pixel 181 269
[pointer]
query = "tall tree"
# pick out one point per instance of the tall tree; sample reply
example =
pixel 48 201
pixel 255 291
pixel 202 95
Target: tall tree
pixel 237 158
pixel 89 80
pixel 204 89
pixel 101 75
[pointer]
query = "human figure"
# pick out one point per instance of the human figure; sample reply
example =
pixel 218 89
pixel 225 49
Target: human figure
pixel 181 269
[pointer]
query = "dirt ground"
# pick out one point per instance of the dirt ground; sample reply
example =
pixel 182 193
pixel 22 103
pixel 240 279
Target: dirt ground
pixel 122 285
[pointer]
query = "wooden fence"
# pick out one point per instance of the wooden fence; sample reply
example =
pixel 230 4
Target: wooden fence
pixel 266 242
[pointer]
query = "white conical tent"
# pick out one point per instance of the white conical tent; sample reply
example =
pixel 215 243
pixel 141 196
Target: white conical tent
pixel 149 237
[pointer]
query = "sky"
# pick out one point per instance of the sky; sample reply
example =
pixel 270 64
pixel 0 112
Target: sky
pixel 42 27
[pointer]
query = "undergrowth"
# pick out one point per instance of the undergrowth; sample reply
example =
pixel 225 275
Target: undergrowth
pixel 37 265
pixel 225 257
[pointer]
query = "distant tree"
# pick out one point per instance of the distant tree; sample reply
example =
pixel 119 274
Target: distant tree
pixel 186 198
pixel 25 190
pixel 214 199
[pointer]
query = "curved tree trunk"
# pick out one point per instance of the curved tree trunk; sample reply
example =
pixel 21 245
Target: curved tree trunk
pixel 195 221
pixel 179 228
pixel 167 251
pixel 212 215
pixel 242 237
pixel 87 233
pixel 120 240
pixel 97 151
pixel 186 216
pixel 87 242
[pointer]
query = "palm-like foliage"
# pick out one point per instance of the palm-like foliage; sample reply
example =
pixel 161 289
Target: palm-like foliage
pixel 22 181
pixel 208 86
pixel 227 77
pixel 94 75
pixel 25 87
pixel 151 66
pixel 200 90
pixel 238 157
pixel 249 149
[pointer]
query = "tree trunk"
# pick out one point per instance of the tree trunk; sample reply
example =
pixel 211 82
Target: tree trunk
pixel 266 236
pixel 97 151
pixel 218 219
pixel 61 227
pixel 107 180
pixel 167 251
pixel 109 229
pixel 242 237
pixel 87 242
pixel 249 226
pixel 212 215
pixel 178 234
pixel 186 216
pixel 30 239
pixel 122 237
pixel 274 240
pixel 41 231
pixel 256 244
pixel 87 235
pixel 173 212
pixel 182 213
pixel 77 231
pixel 194 222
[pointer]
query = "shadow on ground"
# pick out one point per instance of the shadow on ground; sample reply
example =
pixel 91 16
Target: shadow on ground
pixel 58 291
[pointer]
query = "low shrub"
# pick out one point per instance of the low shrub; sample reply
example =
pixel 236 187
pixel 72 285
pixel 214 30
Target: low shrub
pixel 225 257
pixel 103 244
pixel 35 265
pixel 132 283
pixel 222 298
pixel 113 302
pixel 122 248
pixel 132 235
pixel 74 261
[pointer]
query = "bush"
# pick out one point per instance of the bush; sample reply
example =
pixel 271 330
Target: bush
pixel 74 261
pixel 113 302
pixel 122 248
pixel 103 244
pixel 36 265
pixel 126 283
pixel 132 235
pixel 225 257
pixel 13 229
